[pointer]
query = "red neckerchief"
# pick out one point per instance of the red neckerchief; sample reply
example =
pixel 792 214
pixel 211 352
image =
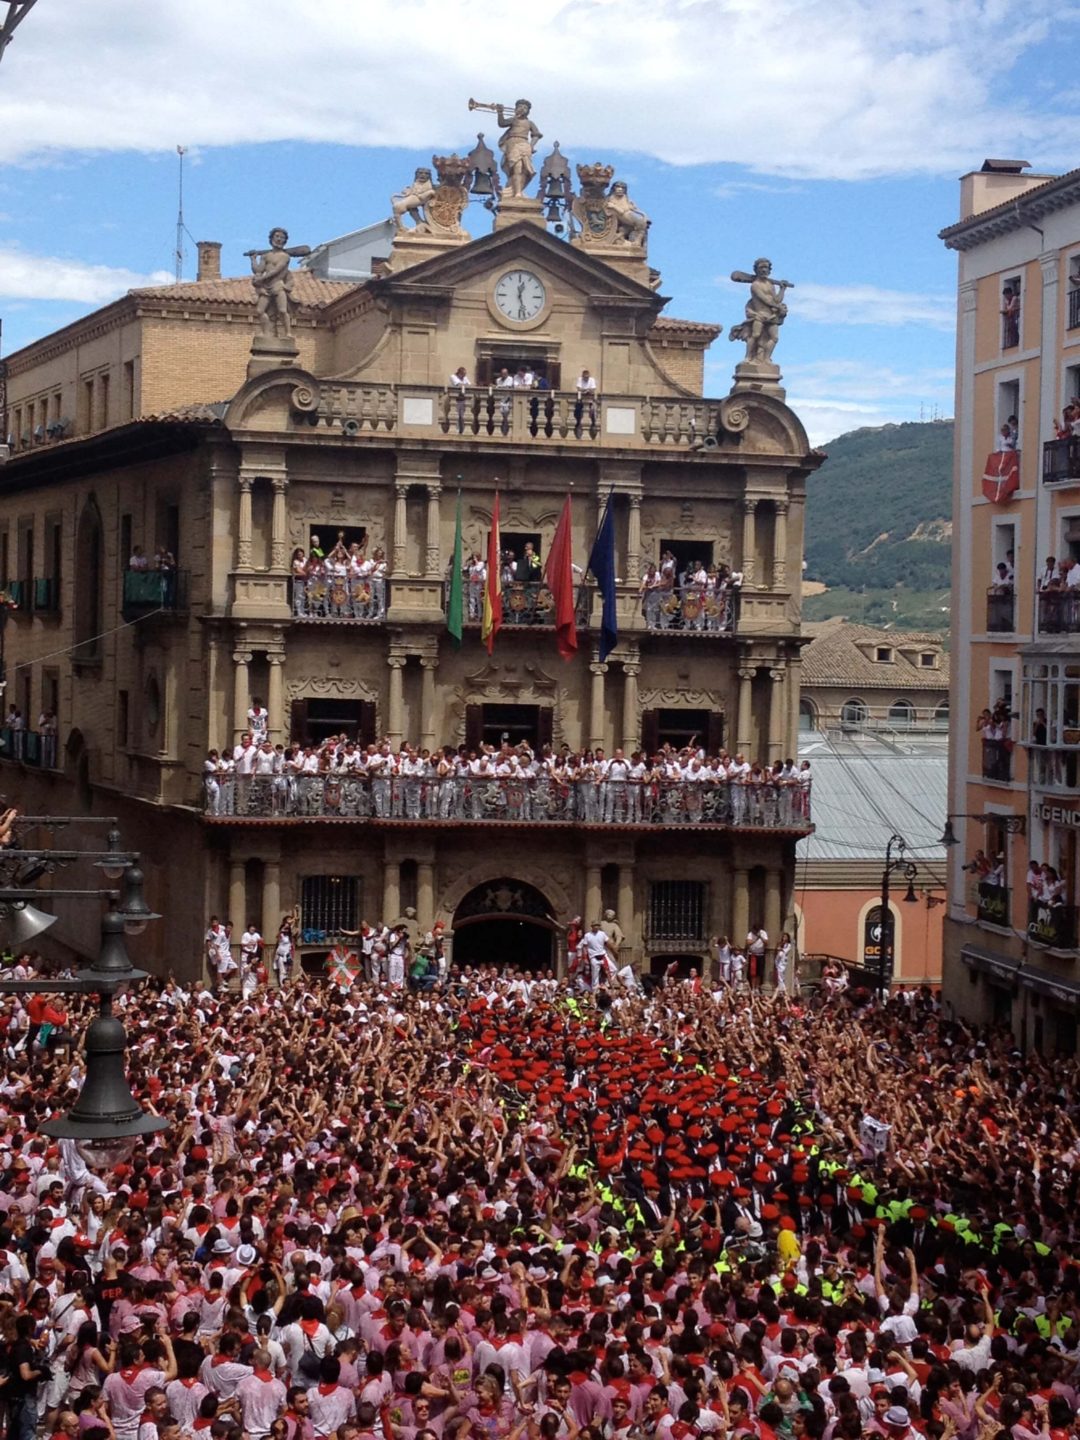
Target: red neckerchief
pixel 263 1375
pixel 130 1371
pixel 310 1327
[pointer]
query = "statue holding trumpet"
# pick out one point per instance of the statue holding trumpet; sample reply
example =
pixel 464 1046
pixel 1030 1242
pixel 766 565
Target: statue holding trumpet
pixel 272 279
pixel 517 143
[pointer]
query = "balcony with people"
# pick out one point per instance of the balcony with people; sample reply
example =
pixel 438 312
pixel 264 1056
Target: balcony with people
pixel 153 585
pixel 37 748
pixel 343 583
pixel 1001 602
pixel 1051 915
pixel 342 779
pixel 991 892
pixel 1061 456
pixel 993 729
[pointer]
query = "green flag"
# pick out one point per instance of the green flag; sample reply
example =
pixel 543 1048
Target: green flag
pixel 454 617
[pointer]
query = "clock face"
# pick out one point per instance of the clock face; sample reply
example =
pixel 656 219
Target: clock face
pixel 520 295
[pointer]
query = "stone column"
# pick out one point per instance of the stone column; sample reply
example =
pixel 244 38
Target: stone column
pixel 401 520
pixel 749 541
pixel 626 914
pixel 391 893
pixel 794 674
pixel 773 919
pixel 744 721
pixel 433 557
pixel 428 665
pixel 593 896
pixel 779 564
pixel 279 539
pixel 243 527
pixel 740 905
pixel 238 897
pixel 633 540
pixel 271 909
pixel 241 692
pixel 596 708
pixel 631 722
pixel 395 719
pixel 425 895
pixel 275 701
pixel 777 714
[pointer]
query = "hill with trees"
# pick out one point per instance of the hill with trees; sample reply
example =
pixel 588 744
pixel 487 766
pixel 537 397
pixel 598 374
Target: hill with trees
pixel 879 526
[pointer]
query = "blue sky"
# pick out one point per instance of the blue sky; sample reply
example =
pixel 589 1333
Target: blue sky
pixel 827 136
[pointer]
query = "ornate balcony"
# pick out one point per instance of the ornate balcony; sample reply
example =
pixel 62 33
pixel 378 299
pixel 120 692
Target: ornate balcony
pixel 507 800
pixel 28 747
pixel 997 760
pixel 1059 612
pixel 1000 611
pixel 557 417
pixel 1061 460
pixel 992 903
pixel 337 598
pixel 151 592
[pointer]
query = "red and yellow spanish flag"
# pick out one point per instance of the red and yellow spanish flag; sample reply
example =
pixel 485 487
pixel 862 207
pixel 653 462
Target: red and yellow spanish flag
pixel 493 605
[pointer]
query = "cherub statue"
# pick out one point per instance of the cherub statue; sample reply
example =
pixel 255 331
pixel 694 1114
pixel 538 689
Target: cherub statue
pixel 273 282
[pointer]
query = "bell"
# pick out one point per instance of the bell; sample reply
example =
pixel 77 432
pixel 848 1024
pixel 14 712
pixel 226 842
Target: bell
pixel 481 183
pixel 554 214
pixel 24 921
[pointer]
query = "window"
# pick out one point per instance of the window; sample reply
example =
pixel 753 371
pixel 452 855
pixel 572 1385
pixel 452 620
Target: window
pixel 883 655
pixel 327 535
pixel 122 718
pixel 492 724
pixel 941 716
pixel 807 716
pixel 15 435
pixel 854 714
pixel 677 910
pixel 679 728
pixel 1074 292
pixel 514 542
pixel 125 540
pixel 902 714
pixel 928 659
pixel 103 400
pixel 1008 414
pixel 1072 380
pixel 313 721
pixel 1010 313
pixel 89 550
pixel 689 554
pixel 151 706
pixel 86 405
pixel 129 389
pixel 329 904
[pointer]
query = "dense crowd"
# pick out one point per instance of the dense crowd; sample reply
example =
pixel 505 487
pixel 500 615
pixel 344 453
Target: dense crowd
pixel 510 782
pixel 492 1211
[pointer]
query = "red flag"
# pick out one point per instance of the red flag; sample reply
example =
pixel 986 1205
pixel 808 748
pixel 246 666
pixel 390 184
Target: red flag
pixel 559 574
pixel 1002 476
pixel 493 604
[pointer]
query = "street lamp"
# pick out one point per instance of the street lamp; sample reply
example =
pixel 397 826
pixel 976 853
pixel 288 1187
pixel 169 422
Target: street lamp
pixel 1011 824
pixel 106 1121
pixel 901 865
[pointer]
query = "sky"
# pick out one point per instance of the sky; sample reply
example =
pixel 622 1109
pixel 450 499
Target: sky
pixel 829 137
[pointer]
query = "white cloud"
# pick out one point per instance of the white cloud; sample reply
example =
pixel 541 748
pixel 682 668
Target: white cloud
pixel 798 88
pixel 834 396
pixel 871 305
pixel 44 277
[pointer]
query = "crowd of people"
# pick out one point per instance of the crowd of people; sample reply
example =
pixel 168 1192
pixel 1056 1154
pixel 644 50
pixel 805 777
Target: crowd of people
pixel 503 1211
pixel 343 583
pixel 507 782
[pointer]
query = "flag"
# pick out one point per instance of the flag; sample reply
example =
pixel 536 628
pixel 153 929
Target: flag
pixel 602 565
pixel 1002 476
pixel 492 622
pixel 454 607
pixel 559 574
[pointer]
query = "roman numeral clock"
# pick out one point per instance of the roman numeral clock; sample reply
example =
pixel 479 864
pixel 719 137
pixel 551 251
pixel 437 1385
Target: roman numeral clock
pixel 520 298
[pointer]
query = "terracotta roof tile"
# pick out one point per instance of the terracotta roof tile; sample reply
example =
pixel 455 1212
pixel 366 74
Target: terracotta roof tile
pixel 308 290
pixel 834 657
pixel 690 327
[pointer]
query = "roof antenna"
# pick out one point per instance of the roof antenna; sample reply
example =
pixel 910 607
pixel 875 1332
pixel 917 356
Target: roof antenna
pixel 178 255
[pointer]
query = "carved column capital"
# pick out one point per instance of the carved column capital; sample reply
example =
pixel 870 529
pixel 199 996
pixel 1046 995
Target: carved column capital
pixel 749 504
pixel 777 675
pixel 631 671
pixel 746 673
pixel 280 483
pixel 396 662
pixel 242 657
pixel 429 662
pixel 274 659
pixel 781 507
pixel 245 482
pixel 596 668
pixel 401 492
pixel 434 489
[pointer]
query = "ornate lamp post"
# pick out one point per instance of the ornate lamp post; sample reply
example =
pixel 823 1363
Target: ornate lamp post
pixel 894 864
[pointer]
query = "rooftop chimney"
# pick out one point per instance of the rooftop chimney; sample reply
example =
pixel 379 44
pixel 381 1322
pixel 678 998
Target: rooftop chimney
pixel 209 259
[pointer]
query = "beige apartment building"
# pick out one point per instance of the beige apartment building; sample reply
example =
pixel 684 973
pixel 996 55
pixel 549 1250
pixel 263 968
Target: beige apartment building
pixel 1010 936
pixel 172 419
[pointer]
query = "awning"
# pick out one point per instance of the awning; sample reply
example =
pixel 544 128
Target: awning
pixel 991 963
pixel 1054 987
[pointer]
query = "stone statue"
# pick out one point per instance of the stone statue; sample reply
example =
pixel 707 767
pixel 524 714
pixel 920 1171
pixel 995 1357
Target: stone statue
pixel 273 283
pixel 412 199
pixel 517 143
pixel 765 312
pixel 633 224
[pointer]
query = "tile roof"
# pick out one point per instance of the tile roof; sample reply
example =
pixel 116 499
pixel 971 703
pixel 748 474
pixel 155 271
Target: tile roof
pixel 833 657
pixel 1055 193
pixel 686 327
pixel 308 290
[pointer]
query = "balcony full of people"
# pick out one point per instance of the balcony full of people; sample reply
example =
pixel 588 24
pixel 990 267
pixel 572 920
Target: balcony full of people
pixel 343 584
pixel 342 778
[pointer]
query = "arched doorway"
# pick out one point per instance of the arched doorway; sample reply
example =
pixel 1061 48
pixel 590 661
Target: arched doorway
pixel 505 922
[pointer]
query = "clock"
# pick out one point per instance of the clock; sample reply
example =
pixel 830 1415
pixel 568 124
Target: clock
pixel 520 295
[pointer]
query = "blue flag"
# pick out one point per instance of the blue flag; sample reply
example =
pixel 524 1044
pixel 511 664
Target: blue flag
pixel 602 565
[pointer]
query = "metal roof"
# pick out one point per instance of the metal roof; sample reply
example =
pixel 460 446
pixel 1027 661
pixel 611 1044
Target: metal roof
pixel 867 789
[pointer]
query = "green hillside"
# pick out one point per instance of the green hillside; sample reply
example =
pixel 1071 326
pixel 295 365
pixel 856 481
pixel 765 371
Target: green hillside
pixel 879 526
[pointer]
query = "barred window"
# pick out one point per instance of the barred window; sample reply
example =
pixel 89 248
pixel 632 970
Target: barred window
pixel 328 905
pixel 677 910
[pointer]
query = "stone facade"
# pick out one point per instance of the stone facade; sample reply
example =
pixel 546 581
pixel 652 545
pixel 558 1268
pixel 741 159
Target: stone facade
pixel 177 448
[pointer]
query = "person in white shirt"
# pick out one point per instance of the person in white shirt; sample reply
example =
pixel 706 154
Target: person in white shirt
pixel 586 400
pixel 459 385
pixel 250 950
pixel 595 943
pixel 258 721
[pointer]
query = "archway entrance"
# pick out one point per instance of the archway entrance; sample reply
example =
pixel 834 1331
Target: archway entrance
pixel 505 922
